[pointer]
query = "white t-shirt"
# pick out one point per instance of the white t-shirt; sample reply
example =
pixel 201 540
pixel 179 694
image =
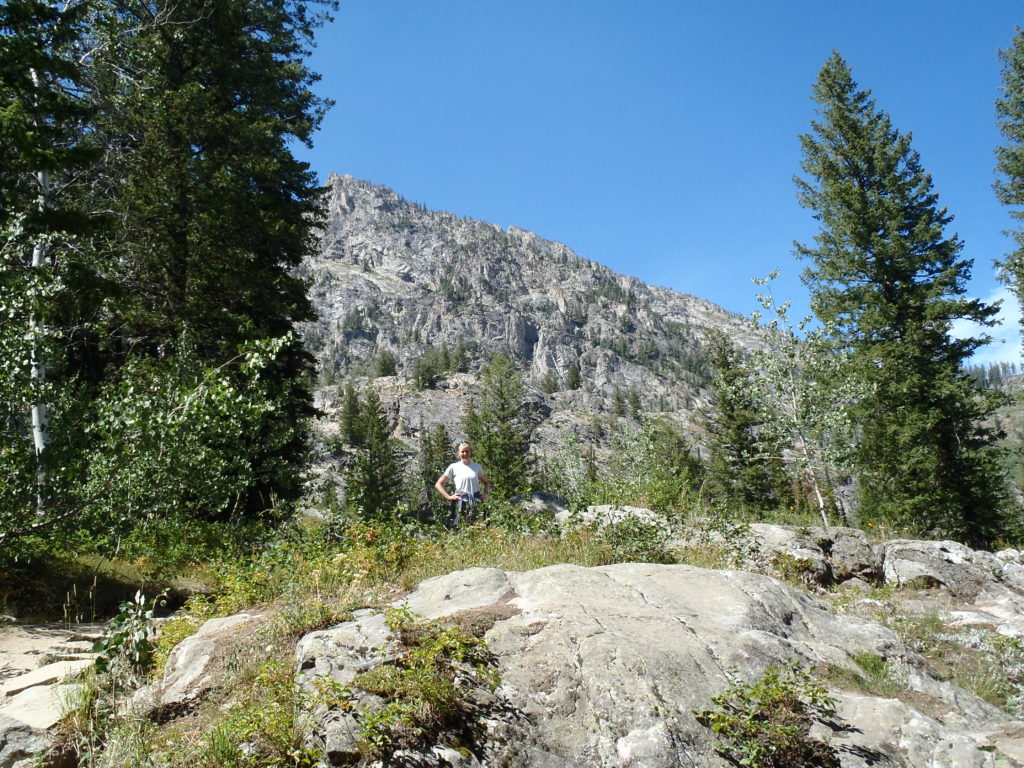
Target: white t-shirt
pixel 466 477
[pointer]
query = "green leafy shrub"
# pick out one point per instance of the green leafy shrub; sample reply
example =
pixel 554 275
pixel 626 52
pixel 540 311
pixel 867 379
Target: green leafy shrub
pixel 420 686
pixel 634 541
pixel 128 638
pixel 261 729
pixel 793 570
pixel 767 724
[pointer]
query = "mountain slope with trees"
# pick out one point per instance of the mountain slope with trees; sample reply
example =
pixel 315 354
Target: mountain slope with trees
pixel 430 293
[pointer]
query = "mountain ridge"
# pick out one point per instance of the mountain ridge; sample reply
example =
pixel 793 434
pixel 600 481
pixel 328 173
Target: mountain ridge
pixel 393 275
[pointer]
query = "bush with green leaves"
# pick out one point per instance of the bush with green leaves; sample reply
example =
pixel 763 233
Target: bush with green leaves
pixel 420 687
pixel 128 638
pixel 767 724
pixel 651 467
pixel 634 541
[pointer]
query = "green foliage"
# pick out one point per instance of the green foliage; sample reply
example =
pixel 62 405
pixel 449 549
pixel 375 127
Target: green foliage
pixel 161 318
pixel 874 675
pixel 373 475
pixel 634 541
pixel 437 451
pixel 573 378
pixel 427 369
pixel 767 724
pixel 173 438
pixel 435 363
pixel 802 390
pixel 569 471
pixel 1009 184
pixel 652 466
pixel 42 112
pixel 348 419
pixel 128 638
pixel 719 539
pixel 385 364
pixel 745 466
pixel 419 687
pixel 262 730
pixel 496 428
pixel 549 383
pixel 889 285
pixel 214 210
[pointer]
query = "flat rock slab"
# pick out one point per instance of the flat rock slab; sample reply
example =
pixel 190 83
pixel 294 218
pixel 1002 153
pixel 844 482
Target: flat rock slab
pixel 24 647
pixel 42 706
pixel 51 673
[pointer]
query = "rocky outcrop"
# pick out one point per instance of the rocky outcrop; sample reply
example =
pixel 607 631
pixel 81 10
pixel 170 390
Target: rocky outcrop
pixel 20 743
pixel 39 666
pixel 604 666
pixel 193 668
pixel 393 276
pixel 988 588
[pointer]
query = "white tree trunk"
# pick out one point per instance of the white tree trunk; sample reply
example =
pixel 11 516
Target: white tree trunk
pixel 40 414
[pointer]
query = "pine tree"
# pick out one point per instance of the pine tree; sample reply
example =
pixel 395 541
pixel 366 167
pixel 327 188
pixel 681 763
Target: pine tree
pixel 1009 185
pixel 886 277
pixel 198 105
pixel 573 378
pixel 373 476
pixel 549 383
pixel 348 419
pixel 742 467
pixel 385 364
pixel 496 429
pixel 437 451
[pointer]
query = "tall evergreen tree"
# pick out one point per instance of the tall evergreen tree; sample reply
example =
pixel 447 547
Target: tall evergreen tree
pixel 437 451
pixel 199 102
pixel 884 274
pixel 573 379
pixel 348 418
pixel 1009 185
pixel 496 429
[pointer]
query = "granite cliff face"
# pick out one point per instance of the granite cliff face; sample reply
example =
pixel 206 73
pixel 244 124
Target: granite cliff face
pixel 392 275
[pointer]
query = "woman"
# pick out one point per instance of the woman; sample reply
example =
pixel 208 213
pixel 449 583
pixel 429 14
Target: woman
pixel 467 476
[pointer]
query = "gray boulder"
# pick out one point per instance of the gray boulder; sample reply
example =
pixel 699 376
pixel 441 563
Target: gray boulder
pixel 191 667
pixel 967 574
pixel 604 666
pixel 602 515
pixel 20 743
pixel 823 556
pixel 539 502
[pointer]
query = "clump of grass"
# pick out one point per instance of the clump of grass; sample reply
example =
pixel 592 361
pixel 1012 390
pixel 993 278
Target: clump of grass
pixel 875 676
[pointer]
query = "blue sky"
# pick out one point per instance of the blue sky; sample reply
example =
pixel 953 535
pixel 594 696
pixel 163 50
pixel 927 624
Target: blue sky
pixel 659 137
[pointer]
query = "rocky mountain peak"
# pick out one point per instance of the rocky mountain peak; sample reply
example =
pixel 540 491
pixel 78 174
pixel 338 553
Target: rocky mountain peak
pixel 394 276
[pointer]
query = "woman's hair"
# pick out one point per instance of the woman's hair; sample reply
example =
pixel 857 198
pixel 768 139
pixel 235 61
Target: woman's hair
pixel 463 445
